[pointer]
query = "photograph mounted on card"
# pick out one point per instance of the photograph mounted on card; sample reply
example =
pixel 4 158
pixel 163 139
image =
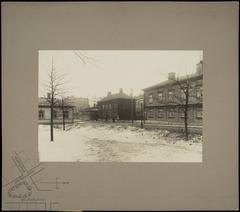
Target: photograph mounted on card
pixel 120 106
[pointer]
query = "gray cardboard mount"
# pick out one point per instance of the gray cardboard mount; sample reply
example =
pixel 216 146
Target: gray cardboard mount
pixel 211 27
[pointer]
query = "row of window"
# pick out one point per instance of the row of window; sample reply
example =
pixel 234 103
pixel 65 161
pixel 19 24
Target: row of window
pixel 113 106
pixel 171 95
pixel 41 114
pixel 108 106
pixel 171 114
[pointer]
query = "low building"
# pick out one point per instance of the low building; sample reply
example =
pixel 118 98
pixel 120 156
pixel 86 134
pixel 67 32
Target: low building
pixel 59 112
pixel 117 106
pixel 80 105
pixel 164 102
pixel 90 113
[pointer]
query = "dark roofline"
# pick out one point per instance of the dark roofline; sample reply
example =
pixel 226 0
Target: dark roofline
pixel 115 96
pixel 169 82
pixel 110 99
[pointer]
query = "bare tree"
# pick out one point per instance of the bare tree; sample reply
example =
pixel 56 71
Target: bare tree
pixel 54 88
pixel 64 102
pixel 184 92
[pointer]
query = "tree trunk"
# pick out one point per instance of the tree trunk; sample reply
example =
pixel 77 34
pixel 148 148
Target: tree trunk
pixel 141 115
pixel 63 115
pixel 51 124
pixel 132 110
pixel 186 115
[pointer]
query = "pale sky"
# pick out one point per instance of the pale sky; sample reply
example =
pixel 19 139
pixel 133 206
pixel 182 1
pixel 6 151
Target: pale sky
pixel 108 70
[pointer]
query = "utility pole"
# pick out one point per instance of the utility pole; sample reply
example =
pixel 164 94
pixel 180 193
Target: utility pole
pixel 63 114
pixel 141 115
pixel 132 105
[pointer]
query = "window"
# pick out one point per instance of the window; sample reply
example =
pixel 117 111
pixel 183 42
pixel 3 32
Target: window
pixel 109 106
pixel 171 114
pixel 192 96
pixel 183 95
pixel 199 114
pixel 66 114
pixel 150 98
pixel 160 96
pixel 41 114
pixel 54 114
pixel 150 114
pixel 181 113
pixel 160 113
pixel 170 95
pixel 199 93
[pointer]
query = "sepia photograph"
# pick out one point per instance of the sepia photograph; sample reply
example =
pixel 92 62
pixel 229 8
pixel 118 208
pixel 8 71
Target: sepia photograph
pixel 114 106
pixel 120 106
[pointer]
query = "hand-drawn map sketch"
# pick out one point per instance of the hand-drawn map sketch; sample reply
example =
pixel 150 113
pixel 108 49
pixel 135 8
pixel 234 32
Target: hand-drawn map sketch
pixel 26 191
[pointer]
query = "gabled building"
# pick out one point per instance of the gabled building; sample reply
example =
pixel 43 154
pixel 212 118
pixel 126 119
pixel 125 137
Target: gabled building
pixel 44 112
pixel 164 102
pixel 116 106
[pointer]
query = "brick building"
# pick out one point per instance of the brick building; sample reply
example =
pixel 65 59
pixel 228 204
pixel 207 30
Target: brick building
pixel 165 101
pixel 116 106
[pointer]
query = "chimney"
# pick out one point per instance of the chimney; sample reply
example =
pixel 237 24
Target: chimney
pixel 199 68
pixel 171 76
pixel 109 93
pixel 121 90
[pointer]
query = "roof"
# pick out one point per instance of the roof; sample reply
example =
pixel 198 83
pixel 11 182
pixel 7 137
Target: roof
pixel 139 97
pixel 115 96
pixel 179 79
pixel 42 102
pixel 91 109
pixel 79 102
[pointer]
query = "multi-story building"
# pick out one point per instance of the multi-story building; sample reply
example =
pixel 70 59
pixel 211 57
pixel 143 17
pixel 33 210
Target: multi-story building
pixel 165 102
pixel 116 106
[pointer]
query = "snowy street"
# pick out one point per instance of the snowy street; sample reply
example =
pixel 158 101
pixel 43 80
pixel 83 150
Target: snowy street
pixel 91 142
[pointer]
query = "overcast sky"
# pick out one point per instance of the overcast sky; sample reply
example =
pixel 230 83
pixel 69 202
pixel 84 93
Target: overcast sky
pixel 101 71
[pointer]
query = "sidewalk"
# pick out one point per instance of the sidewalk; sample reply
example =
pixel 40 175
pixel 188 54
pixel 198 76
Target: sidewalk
pixel 150 125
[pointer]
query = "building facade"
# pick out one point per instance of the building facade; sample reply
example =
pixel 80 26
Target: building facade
pixel 165 101
pixel 59 112
pixel 118 106
pixel 80 105
pixel 90 114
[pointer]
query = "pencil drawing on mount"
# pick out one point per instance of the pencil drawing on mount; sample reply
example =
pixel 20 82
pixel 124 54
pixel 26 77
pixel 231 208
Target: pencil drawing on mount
pixel 120 106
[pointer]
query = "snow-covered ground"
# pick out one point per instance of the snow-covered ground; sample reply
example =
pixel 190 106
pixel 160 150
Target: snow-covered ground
pixel 114 143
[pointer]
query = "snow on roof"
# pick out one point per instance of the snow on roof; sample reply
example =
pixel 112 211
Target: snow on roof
pixel 179 79
pixel 139 97
pixel 42 102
